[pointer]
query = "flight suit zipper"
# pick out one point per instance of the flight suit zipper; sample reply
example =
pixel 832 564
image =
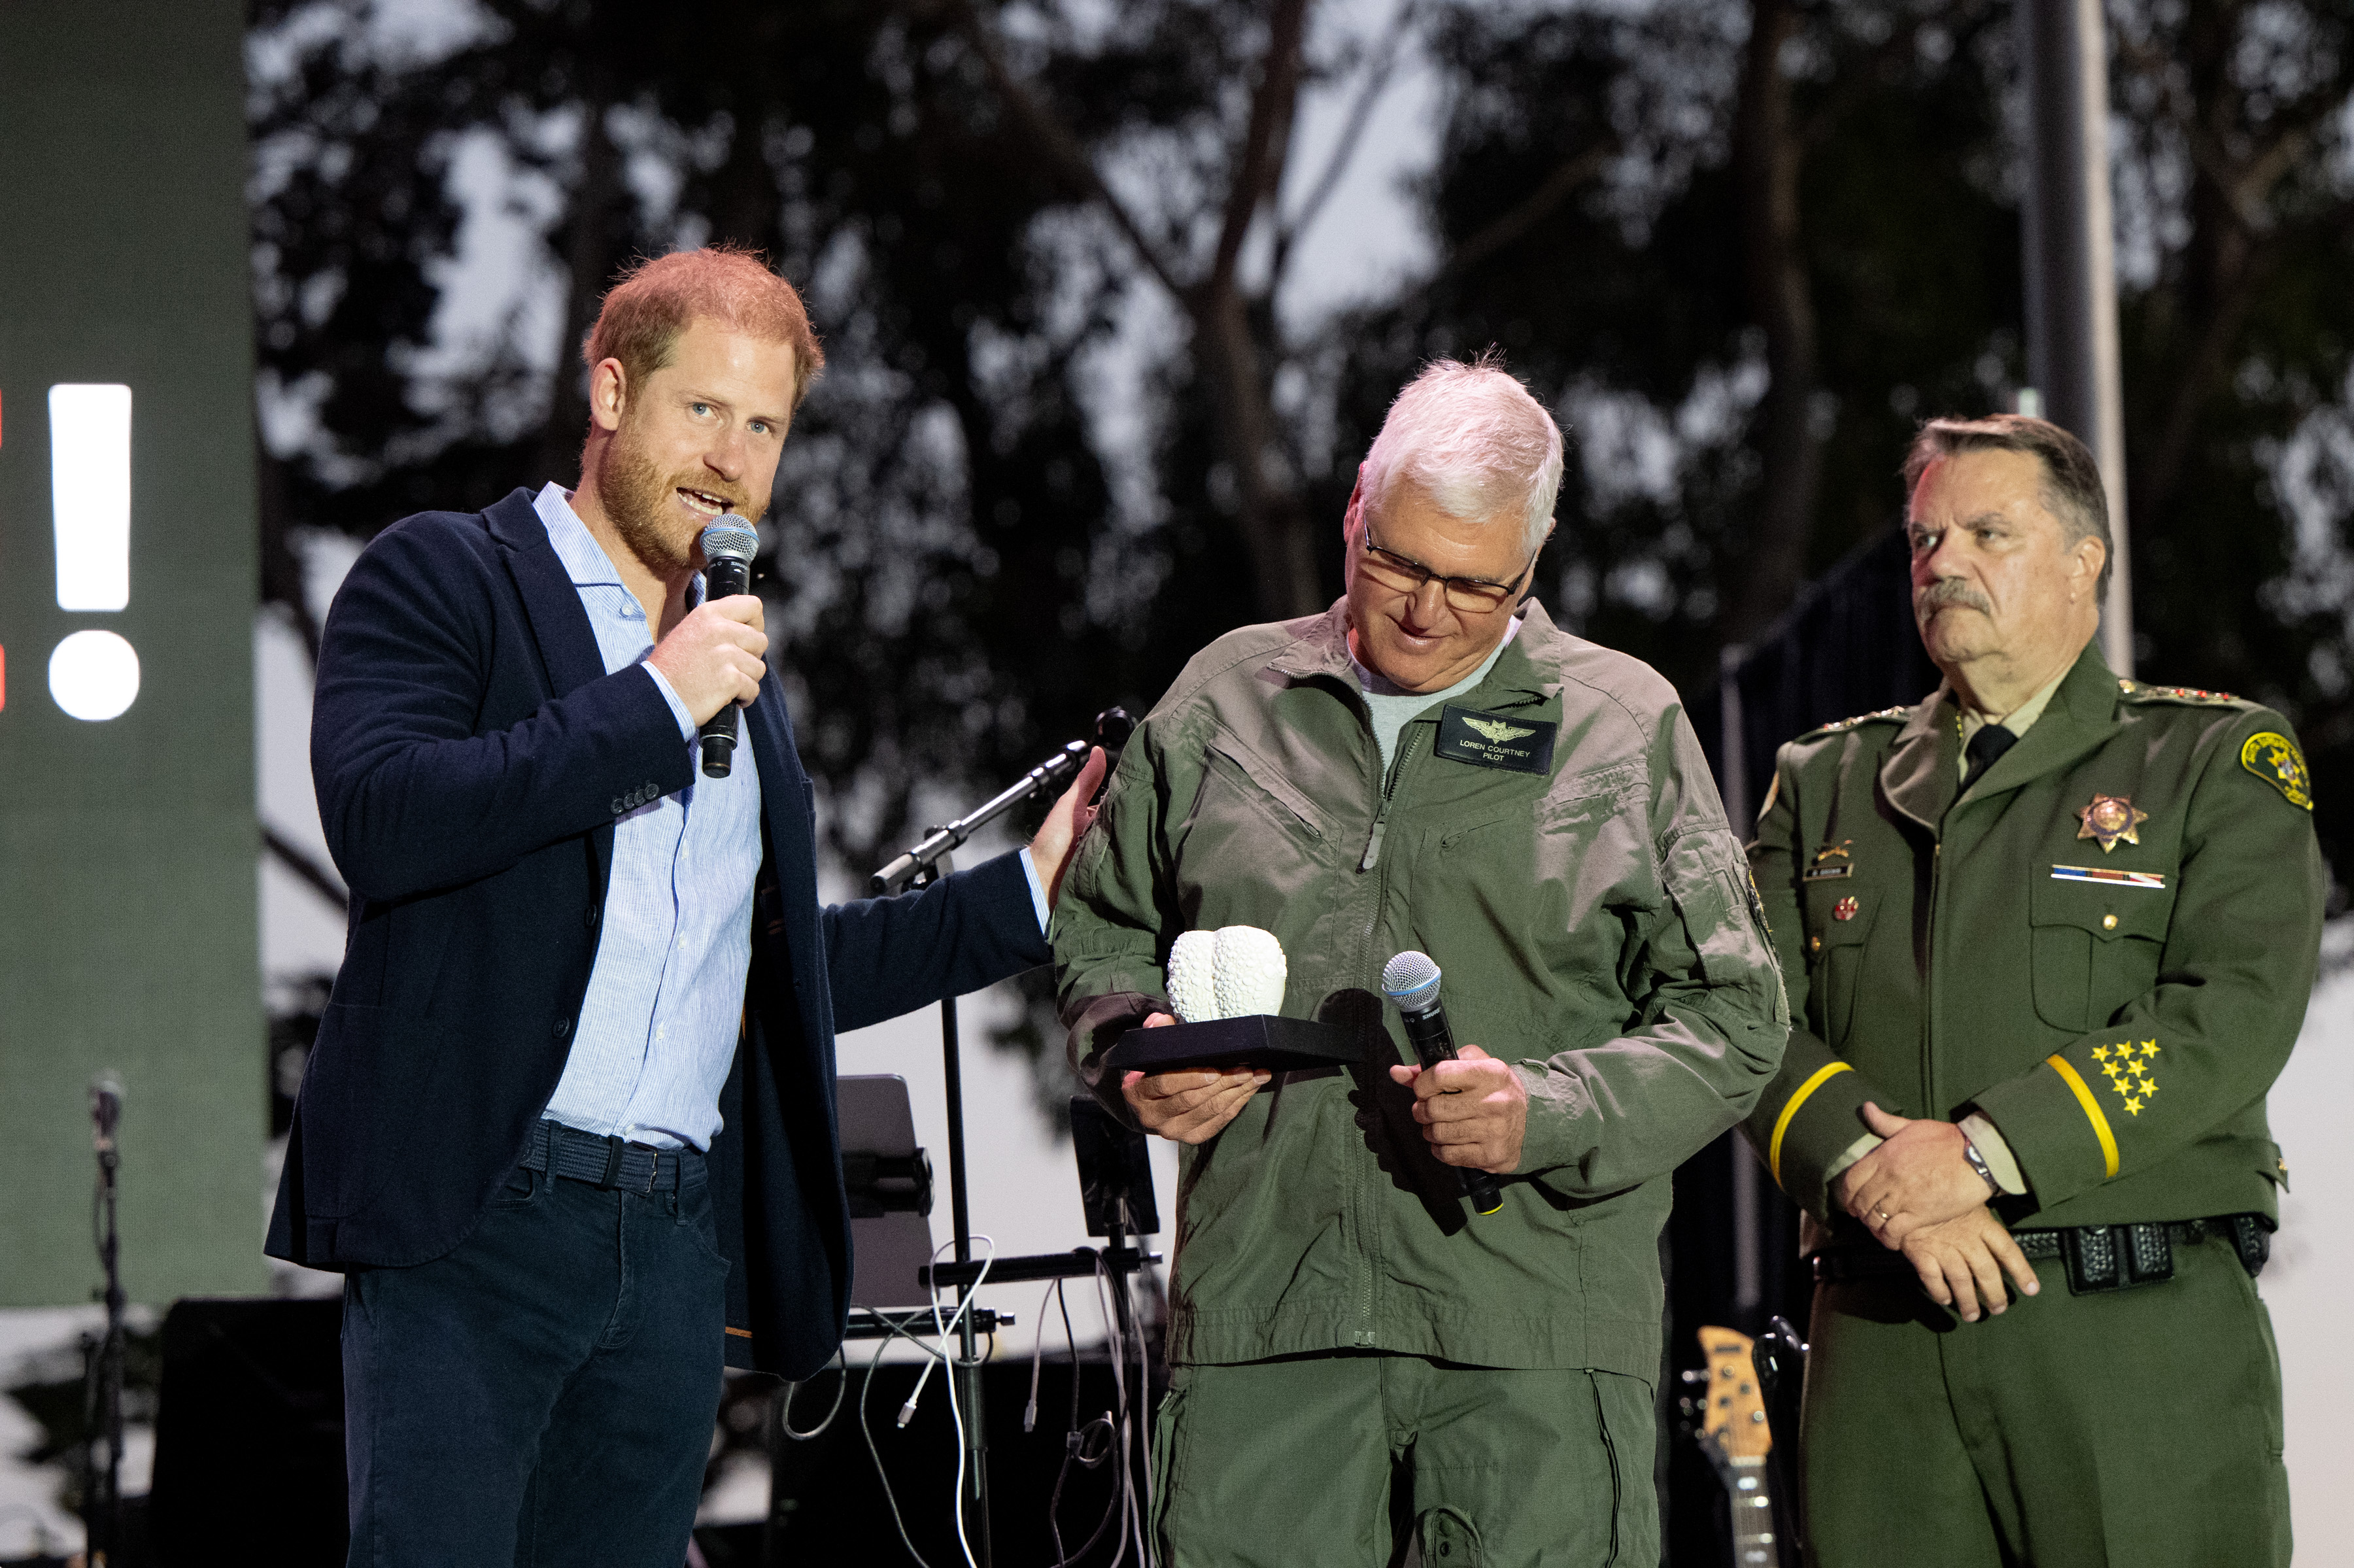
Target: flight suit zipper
pixel 1371 861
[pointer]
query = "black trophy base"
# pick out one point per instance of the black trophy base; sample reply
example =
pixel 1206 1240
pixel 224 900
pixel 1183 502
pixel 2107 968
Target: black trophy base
pixel 1260 1041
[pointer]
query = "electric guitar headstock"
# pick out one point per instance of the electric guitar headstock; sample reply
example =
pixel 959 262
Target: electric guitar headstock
pixel 1735 1421
pixel 1729 1414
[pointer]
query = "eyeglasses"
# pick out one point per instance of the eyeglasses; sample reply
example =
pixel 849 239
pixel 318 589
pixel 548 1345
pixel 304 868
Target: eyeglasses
pixel 1465 596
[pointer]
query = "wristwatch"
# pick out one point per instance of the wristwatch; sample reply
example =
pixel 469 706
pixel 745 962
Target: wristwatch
pixel 1977 1163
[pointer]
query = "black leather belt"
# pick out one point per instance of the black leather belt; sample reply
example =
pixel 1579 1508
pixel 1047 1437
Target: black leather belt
pixel 2098 1257
pixel 606 1163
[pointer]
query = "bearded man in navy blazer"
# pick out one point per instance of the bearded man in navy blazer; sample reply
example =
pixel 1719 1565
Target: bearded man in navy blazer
pixel 569 1129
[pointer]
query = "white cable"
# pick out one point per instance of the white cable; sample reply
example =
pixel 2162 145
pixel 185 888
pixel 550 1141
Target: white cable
pixel 785 1417
pixel 868 1432
pixel 942 1330
pixel 1038 1357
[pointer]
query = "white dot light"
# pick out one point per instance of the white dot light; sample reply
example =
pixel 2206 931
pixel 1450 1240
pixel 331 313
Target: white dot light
pixel 94 675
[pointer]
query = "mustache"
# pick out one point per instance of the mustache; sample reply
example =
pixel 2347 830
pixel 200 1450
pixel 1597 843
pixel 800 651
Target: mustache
pixel 1947 592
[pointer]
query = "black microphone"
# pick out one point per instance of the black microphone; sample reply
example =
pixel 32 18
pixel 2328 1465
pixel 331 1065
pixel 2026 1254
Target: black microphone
pixel 1411 981
pixel 728 546
pixel 105 1111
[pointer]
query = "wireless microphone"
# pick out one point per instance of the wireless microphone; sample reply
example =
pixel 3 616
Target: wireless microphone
pixel 1411 981
pixel 728 546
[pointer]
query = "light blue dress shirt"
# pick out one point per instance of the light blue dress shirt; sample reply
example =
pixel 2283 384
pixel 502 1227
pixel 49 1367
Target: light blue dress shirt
pixel 657 1031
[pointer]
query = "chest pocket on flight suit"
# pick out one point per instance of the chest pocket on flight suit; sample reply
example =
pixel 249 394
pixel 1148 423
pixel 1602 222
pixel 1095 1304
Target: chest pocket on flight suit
pixel 1251 842
pixel 1835 969
pixel 2095 946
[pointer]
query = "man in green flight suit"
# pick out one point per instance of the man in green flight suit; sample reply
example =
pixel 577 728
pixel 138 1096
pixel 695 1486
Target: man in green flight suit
pixel 2049 938
pixel 1356 1358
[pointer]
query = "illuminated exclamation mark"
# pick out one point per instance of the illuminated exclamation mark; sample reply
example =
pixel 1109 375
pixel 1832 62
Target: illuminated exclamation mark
pixel 92 675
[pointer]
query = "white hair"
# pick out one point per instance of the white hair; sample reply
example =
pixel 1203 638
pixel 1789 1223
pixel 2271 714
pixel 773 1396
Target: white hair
pixel 1475 441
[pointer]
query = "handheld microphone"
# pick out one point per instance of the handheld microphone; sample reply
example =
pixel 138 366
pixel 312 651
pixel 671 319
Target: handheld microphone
pixel 728 546
pixel 1411 981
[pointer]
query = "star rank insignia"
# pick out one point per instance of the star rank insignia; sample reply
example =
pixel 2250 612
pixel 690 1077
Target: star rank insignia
pixel 2129 1072
pixel 2110 818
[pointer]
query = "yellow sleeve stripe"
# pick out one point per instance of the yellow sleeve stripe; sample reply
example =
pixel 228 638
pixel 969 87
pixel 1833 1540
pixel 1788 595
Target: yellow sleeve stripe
pixel 2091 1113
pixel 1790 1109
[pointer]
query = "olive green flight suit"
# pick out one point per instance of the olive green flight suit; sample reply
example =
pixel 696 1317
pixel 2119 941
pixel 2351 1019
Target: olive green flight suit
pixel 2105 948
pixel 1552 838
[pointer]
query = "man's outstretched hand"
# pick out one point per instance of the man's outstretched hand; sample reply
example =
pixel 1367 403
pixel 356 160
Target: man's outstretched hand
pixel 1066 824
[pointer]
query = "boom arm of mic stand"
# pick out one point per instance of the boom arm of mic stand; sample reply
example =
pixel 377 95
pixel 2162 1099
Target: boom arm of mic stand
pixel 1112 727
pixel 895 876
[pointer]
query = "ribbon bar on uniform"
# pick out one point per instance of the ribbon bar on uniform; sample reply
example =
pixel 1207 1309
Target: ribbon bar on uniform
pixel 2108 874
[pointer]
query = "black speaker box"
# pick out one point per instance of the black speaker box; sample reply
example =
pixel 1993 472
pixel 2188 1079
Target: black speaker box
pixel 250 1434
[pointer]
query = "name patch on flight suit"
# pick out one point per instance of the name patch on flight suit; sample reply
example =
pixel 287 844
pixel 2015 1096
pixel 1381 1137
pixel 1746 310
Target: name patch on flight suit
pixel 1496 740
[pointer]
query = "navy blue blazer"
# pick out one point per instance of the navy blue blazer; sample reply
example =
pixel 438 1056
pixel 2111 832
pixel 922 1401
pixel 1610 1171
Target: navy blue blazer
pixel 471 756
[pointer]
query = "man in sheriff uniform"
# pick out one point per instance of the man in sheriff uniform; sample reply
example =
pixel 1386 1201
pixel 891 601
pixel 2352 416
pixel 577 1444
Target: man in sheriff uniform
pixel 1430 764
pixel 2048 938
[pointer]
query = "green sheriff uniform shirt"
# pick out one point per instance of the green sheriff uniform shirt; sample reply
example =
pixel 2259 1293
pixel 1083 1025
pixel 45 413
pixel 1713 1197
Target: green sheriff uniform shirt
pixel 2104 949
pixel 1552 839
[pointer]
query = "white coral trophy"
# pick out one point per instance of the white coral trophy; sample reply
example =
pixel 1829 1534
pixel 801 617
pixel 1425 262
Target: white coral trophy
pixel 1192 986
pixel 1249 971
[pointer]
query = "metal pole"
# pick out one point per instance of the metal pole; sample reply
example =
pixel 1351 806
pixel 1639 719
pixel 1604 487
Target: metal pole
pixel 968 1366
pixel 2071 263
pixel 1748 1214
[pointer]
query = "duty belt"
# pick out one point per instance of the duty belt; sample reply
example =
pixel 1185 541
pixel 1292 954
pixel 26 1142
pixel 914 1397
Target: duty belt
pixel 603 1162
pixel 2099 1257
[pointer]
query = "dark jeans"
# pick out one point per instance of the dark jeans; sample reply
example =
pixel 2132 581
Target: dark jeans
pixel 544 1392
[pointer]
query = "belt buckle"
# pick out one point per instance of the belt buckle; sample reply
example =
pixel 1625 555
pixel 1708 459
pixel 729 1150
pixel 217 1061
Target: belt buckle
pixel 653 1167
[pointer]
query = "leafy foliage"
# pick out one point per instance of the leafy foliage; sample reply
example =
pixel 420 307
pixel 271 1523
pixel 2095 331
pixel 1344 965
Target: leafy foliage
pixel 987 206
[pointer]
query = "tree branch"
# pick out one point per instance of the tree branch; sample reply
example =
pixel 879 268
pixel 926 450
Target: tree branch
pixel 1054 141
pixel 1767 158
pixel 1267 141
pixel 1531 209
pixel 1344 150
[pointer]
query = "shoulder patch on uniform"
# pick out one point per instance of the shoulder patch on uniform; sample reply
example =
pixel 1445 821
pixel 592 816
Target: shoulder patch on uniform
pixel 2274 759
pixel 1885 716
pixel 2134 691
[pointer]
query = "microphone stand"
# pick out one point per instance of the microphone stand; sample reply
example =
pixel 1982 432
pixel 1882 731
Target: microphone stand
pixel 921 865
pixel 102 1377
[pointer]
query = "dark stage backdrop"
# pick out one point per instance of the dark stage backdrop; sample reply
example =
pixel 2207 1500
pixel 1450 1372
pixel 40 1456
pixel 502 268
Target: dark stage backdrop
pixel 128 843
pixel 1848 646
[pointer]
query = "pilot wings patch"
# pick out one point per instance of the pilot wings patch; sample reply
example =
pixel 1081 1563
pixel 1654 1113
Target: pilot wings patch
pixel 1496 731
pixel 1492 740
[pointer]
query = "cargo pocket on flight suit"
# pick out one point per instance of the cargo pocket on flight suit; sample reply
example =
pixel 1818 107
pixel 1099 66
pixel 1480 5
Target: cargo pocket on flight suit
pixel 2093 947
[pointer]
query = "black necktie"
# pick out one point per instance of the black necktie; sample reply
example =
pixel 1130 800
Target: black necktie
pixel 1990 742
